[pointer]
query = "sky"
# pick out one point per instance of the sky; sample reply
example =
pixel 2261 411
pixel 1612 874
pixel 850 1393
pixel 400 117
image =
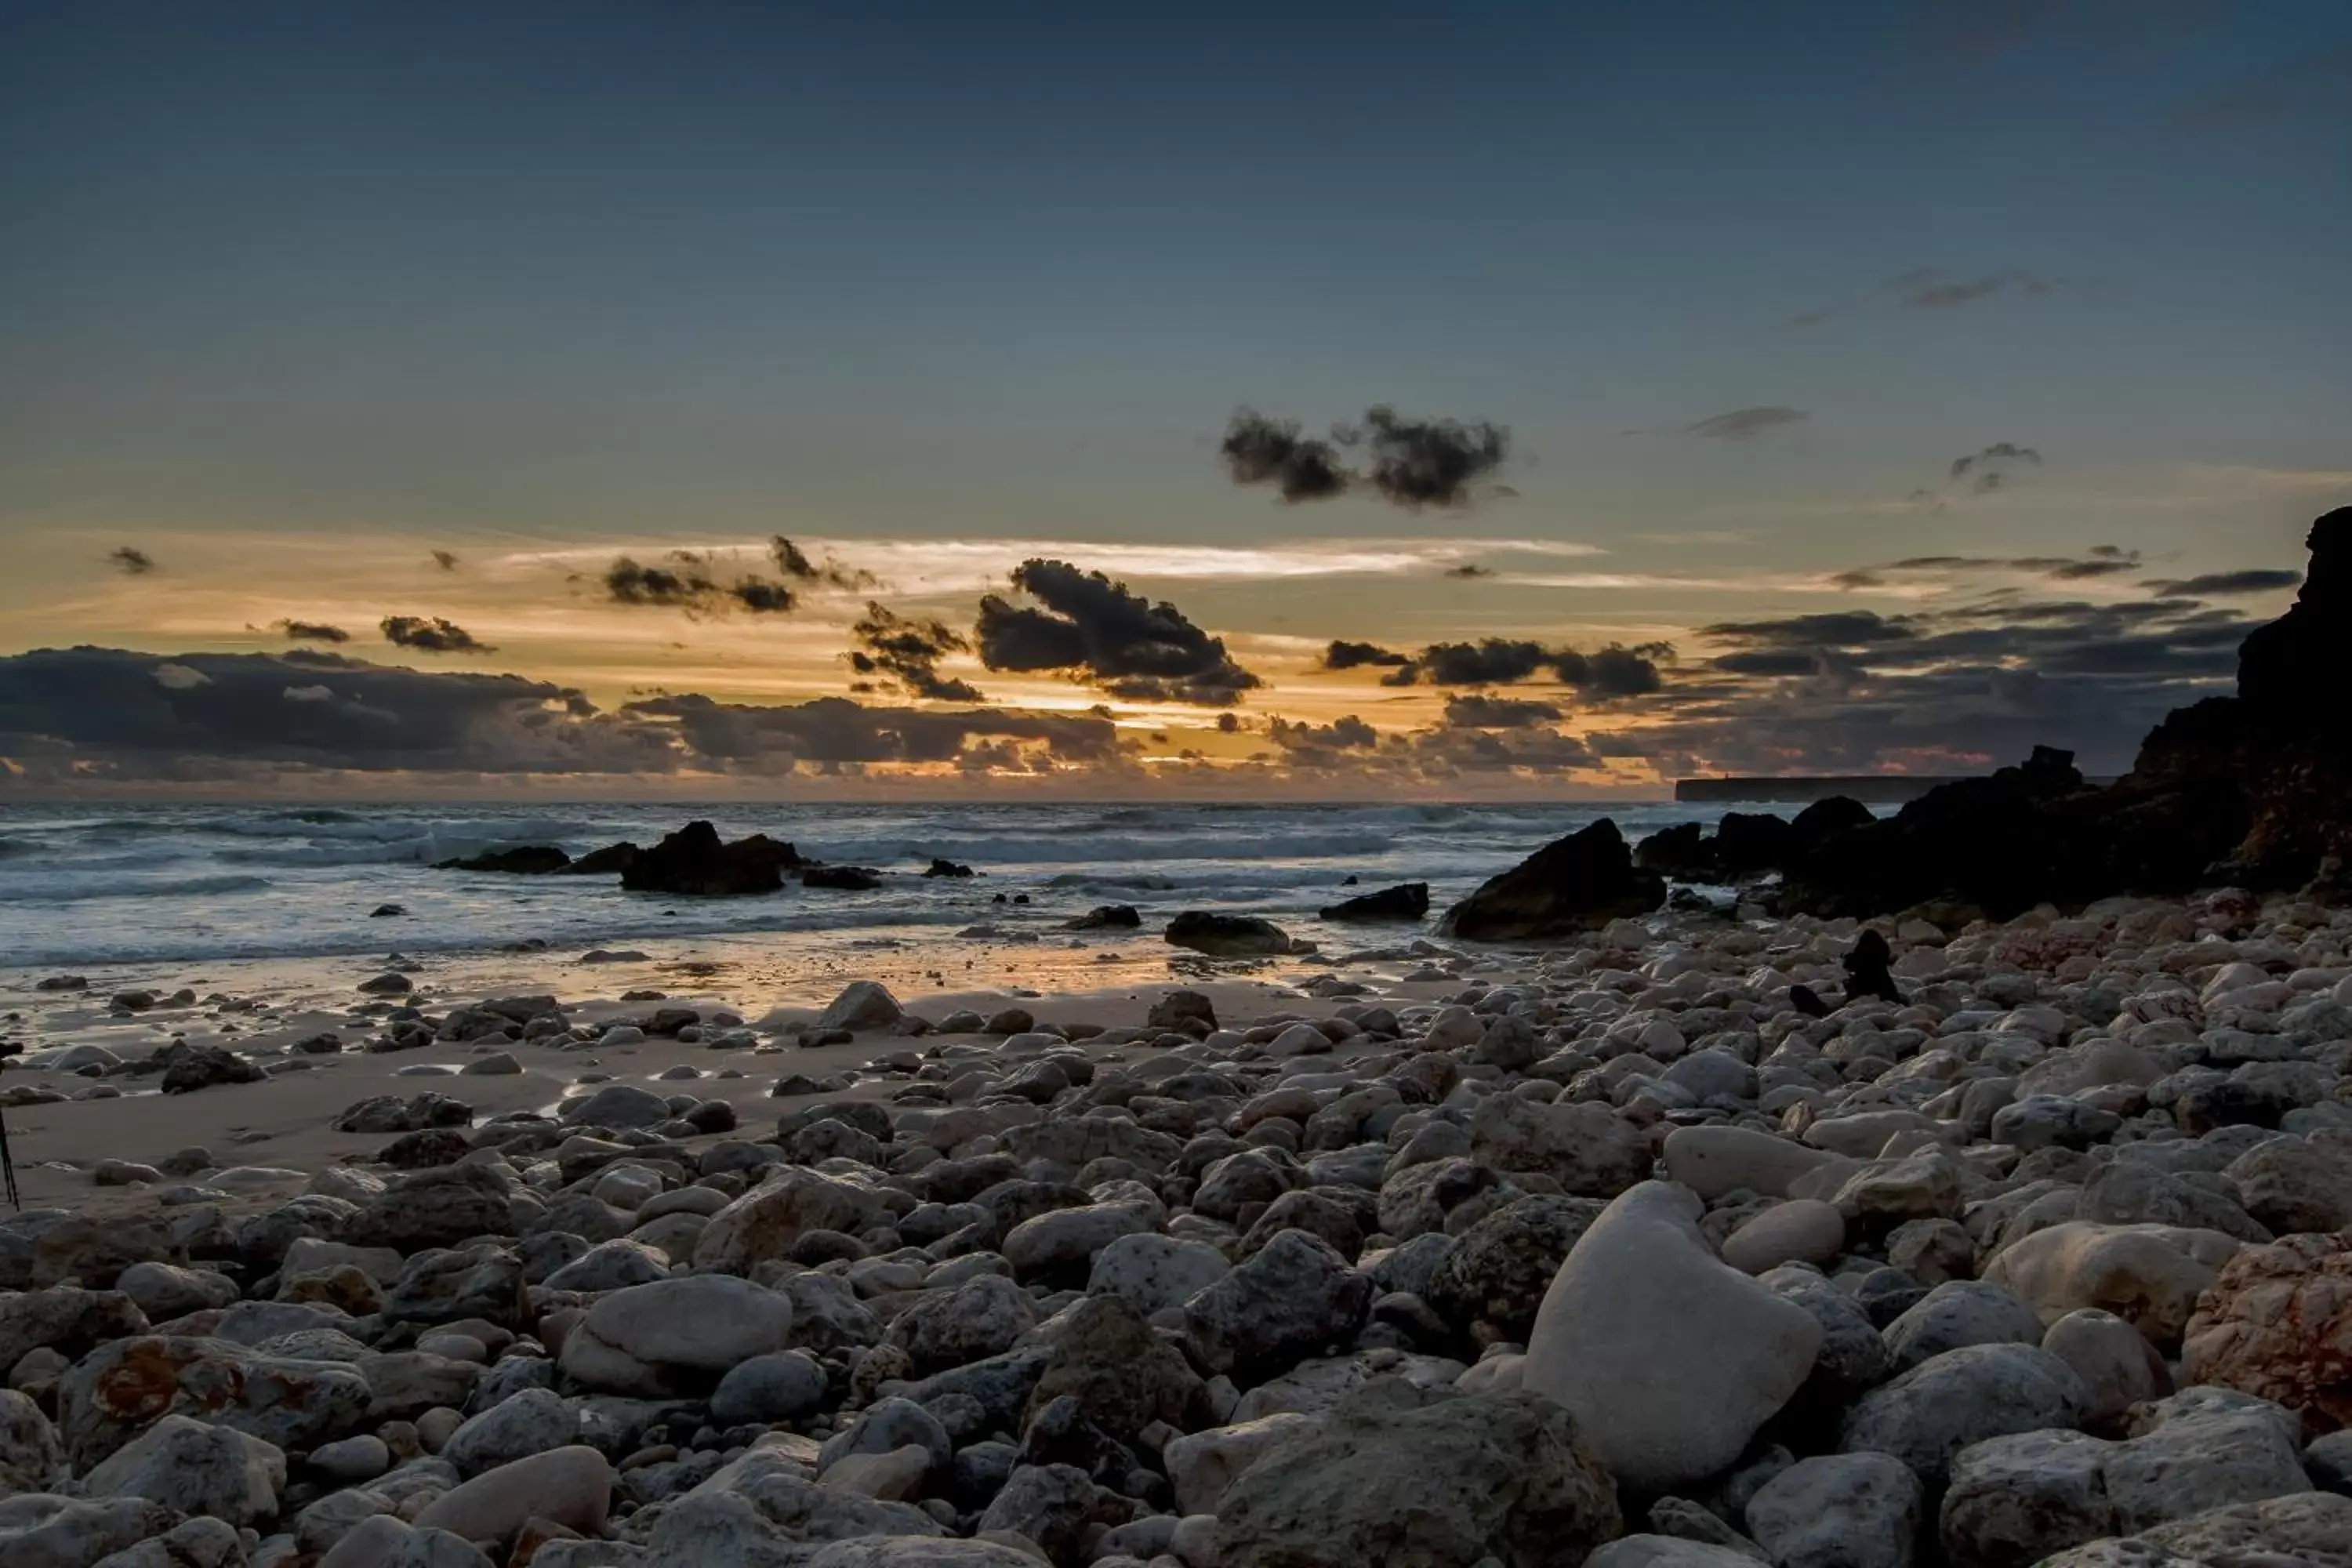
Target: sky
pixel 1280 400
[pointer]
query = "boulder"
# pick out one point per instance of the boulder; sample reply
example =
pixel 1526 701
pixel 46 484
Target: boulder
pixel 693 862
pixel 1405 902
pixel 1955 1314
pixel 1963 1396
pixel 188 1066
pixel 1570 886
pixel 1408 1479
pixel 40 1529
pixel 1838 1511
pixel 432 1209
pixel 1228 936
pixel 765 1222
pixel 1124 1376
pixel 1152 1272
pixel 1585 1146
pixel 1497 1271
pixel 671 1334
pixel 1716 1160
pixel 2306 1531
pixel 32 1460
pixel 120 1389
pixel 1669 1359
pixel 571 1486
pixel 1294 1296
pixel 2148 1275
pixel 2277 1323
pixel 863 1005
pixel 1802 1230
pixel 191 1466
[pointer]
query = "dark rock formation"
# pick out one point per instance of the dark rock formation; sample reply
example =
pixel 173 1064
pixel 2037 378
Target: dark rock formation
pixel 1106 917
pixel 188 1066
pixel 694 862
pixel 1405 902
pixel 1868 969
pixel 844 878
pixel 525 860
pixel 2250 791
pixel 1228 936
pixel 605 862
pixel 1572 885
pixel 939 868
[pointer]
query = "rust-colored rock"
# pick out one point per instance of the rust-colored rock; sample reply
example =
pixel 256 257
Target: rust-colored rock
pixel 2276 1322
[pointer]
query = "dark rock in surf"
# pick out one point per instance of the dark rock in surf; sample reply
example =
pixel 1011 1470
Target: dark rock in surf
pixel 1405 902
pixel 1570 886
pixel 524 860
pixel 611 860
pixel 939 868
pixel 694 862
pixel 1106 917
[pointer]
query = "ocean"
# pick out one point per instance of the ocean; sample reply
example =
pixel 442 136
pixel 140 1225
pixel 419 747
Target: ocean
pixel 110 884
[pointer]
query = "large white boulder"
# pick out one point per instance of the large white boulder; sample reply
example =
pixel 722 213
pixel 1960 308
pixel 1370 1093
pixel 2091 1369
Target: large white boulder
pixel 1669 1359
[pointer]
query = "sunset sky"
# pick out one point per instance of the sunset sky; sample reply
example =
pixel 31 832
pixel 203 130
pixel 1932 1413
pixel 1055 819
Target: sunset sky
pixel 1873 386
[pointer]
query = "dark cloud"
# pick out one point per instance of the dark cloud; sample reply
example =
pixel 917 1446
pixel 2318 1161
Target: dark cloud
pixel 761 596
pixel 1955 689
pixel 1098 630
pixel 2103 561
pixel 85 713
pixel 431 634
pixel 445 560
pixel 1413 463
pixel 683 585
pixel 1771 662
pixel 829 573
pixel 1746 424
pixel 1938 288
pixel 1262 451
pixel 1448 749
pixel 1345 655
pixel 2228 585
pixel 1611 672
pixel 1493 661
pixel 832 730
pixel 1998 453
pixel 1834 628
pixel 689 580
pixel 1468 570
pixel 1418 463
pixel 1347 733
pixel 1932 289
pixel 131 560
pixel 1855 580
pixel 312 631
pixel 1475 710
pixel 1614 670
pixel 909 650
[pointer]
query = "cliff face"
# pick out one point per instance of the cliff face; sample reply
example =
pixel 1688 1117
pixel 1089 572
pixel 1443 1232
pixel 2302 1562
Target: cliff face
pixel 2253 790
pixel 2276 758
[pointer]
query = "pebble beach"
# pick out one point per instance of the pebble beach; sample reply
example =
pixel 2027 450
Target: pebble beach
pixel 1654 1247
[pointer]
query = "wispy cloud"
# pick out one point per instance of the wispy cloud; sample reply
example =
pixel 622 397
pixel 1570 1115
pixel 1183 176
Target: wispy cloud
pixel 1748 424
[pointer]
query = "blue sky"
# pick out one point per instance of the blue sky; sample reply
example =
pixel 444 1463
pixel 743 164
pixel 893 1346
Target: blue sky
pixel 537 275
